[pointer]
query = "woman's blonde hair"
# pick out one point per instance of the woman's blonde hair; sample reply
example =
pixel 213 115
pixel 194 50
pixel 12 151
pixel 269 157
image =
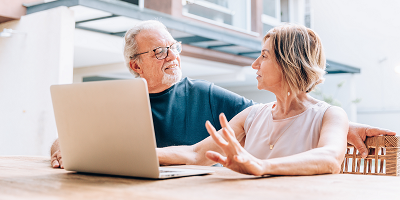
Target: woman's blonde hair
pixel 298 51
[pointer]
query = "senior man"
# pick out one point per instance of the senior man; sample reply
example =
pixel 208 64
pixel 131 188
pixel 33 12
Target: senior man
pixel 180 107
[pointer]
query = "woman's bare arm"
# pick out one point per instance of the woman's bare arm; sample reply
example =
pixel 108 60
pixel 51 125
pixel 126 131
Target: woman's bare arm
pixel 325 159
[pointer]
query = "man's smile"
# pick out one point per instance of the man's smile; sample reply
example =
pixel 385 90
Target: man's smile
pixel 172 67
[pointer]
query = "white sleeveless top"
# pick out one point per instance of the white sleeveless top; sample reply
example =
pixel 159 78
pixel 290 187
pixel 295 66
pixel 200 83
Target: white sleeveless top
pixel 302 131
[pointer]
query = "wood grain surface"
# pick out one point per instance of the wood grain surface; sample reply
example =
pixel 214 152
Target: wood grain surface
pixel 24 177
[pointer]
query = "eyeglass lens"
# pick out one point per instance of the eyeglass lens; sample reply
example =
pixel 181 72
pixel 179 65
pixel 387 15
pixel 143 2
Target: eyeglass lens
pixel 162 52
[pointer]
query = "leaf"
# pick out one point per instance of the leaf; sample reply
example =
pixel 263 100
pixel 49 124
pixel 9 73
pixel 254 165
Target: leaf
pixel 317 92
pixel 336 103
pixel 358 100
pixel 341 84
pixel 328 99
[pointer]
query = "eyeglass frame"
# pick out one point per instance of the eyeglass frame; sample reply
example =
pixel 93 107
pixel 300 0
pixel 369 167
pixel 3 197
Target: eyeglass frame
pixel 154 50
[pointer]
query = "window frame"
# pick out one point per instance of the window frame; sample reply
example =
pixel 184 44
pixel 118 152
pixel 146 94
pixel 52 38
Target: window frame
pixel 247 30
pixel 272 21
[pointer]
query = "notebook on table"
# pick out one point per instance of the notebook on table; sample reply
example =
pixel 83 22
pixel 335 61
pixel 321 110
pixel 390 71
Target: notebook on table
pixel 106 127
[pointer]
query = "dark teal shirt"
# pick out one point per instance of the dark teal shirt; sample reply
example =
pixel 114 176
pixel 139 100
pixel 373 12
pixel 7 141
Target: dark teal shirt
pixel 180 112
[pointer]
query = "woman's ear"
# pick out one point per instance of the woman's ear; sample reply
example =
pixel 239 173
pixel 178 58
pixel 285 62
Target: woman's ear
pixel 135 67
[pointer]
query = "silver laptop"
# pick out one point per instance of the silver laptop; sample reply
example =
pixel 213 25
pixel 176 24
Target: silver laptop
pixel 106 127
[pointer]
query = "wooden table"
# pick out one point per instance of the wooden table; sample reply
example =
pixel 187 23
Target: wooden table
pixel 33 178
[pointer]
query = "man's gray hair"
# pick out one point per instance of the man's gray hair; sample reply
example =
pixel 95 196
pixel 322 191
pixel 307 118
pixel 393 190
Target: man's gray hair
pixel 130 44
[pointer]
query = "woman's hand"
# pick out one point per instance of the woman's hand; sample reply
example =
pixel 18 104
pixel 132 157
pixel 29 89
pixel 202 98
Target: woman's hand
pixel 237 158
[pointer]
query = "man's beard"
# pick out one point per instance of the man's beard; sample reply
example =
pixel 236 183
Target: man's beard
pixel 171 79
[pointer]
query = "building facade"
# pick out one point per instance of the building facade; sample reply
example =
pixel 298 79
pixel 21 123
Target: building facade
pixel 66 41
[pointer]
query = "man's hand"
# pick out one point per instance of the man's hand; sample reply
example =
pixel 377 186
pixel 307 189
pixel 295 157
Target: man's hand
pixel 56 158
pixel 359 132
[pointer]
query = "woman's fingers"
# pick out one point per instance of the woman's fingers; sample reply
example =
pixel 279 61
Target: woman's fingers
pixel 216 157
pixel 224 122
pixel 227 141
pixel 217 138
pixel 230 137
pixel 239 159
pixel 227 135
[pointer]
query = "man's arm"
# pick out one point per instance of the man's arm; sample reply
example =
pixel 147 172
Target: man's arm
pixel 196 154
pixel 187 155
pixel 55 152
pixel 227 102
pixel 359 132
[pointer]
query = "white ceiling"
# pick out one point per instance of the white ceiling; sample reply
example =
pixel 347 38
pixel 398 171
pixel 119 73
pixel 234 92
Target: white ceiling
pixel 84 13
pixel 92 48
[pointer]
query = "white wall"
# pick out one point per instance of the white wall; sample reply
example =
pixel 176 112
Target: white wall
pixel 365 34
pixel 30 62
pixel 251 92
pixel 343 96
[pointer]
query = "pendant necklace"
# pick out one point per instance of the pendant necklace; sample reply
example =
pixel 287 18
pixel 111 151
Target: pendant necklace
pixel 271 146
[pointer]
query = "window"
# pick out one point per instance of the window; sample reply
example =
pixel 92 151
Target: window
pixel 139 3
pixel 228 13
pixel 276 12
pixel 136 2
pixel 307 14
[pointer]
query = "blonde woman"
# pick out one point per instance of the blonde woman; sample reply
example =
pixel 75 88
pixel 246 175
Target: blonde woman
pixel 296 135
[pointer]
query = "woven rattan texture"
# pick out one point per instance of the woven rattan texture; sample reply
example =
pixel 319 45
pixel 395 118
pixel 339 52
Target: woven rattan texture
pixel 383 157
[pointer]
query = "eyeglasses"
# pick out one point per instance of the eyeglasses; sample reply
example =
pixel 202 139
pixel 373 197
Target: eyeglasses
pixel 162 52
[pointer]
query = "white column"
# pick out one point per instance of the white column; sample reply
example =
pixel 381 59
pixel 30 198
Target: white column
pixel 30 61
pixel 353 96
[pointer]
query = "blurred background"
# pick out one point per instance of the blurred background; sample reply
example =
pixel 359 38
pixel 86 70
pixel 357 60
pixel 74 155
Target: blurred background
pixel 70 41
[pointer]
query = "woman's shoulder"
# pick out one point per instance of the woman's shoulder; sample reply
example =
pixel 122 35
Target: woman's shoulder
pixel 320 106
pixel 256 109
pixel 335 111
pixel 262 105
pixel 327 110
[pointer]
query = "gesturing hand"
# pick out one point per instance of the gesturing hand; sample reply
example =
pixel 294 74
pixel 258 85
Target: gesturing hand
pixel 237 158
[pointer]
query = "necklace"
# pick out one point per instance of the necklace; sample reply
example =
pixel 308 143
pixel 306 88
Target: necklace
pixel 271 146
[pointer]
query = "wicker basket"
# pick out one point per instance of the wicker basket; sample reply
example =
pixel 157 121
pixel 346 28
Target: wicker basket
pixel 383 157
